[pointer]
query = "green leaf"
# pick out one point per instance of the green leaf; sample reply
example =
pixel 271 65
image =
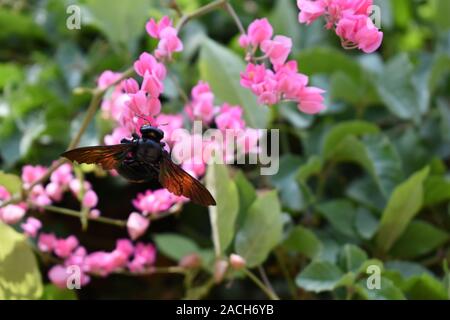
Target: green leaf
pixel 366 192
pixel 19 272
pixel 375 153
pixel 261 231
pixel 396 89
pixel 341 215
pixel 425 287
pixel 10 73
pixel 334 62
pixel 404 203
pixel 11 182
pixel 437 190
pixel 319 276
pixel 303 241
pixel 312 167
pixel 52 292
pixel 365 223
pixel 223 215
pixel 418 239
pixel 351 258
pixel 122 23
pixel 344 129
pixel 406 269
pixel 221 68
pixel 247 195
pixel 290 192
pixel 175 246
pixel 387 291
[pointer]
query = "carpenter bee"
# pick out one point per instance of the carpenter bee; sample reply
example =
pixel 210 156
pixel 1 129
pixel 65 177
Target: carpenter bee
pixel 143 159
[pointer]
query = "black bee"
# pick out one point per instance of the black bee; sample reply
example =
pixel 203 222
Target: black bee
pixel 143 159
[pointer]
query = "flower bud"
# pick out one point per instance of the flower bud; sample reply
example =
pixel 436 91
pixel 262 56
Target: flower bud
pixel 220 269
pixel 237 262
pixel 190 261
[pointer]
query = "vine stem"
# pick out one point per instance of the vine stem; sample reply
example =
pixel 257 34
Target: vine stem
pixel 115 222
pixel 260 284
pixel 199 12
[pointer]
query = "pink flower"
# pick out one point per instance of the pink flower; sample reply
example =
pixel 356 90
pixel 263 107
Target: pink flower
pixel 99 263
pixel 154 28
pixel 137 225
pixel 75 186
pixel 154 201
pixel 107 78
pixel 31 174
pixel 253 75
pixel 289 81
pixel 310 10
pixel 152 85
pixel 46 242
pixel 130 85
pixel 63 175
pixel 54 191
pixel 31 227
pixel 90 199
pixel 230 117
pixel 117 135
pixel 277 49
pixel 64 247
pixel 195 166
pixel 125 246
pixel 148 63
pixel 94 213
pixel 58 276
pixel 169 43
pixel 144 256
pixel 168 123
pixel 77 257
pixel 311 100
pixel 259 30
pixel 39 197
pixel 142 105
pixel 4 193
pixel 12 213
pixel 244 41
pixel 359 30
pixel 202 105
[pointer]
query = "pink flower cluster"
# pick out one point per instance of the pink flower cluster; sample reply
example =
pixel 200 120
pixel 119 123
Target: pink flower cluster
pixel 100 263
pixel 282 81
pixel 226 118
pixel 167 35
pixel 131 104
pixel 40 195
pixel 349 18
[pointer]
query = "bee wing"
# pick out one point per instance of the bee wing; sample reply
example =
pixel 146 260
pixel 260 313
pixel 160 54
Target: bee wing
pixel 106 156
pixel 179 182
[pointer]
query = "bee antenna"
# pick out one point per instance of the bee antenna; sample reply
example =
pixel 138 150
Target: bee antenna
pixel 142 117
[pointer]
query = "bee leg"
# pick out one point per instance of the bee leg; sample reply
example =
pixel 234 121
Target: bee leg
pixel 135 136
pixel 124 140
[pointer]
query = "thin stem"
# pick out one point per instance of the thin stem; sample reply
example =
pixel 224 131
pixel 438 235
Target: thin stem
pixel 264 277
pixel 77 214
pixel 199 12
pixel 285 271
pixel 233 14
pixel 115 222
pixel 261 285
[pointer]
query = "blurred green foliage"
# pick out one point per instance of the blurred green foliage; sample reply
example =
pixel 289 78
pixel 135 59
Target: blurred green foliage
pixel 365 183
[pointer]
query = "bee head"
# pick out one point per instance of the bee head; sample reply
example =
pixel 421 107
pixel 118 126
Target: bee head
pixel 152 133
